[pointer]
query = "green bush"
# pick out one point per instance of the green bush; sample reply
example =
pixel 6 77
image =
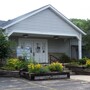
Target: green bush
pixel 31 60
pixel 55 67
pixel 21 65
pixel 36 68
pixel 73 64
pixel 16 63
pixel 82 61
pixel 44 70
pixel 64 58
pixel 4 46
pixel 88 63
pixel 7 68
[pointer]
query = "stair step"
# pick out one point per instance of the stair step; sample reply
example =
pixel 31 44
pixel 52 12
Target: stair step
pixel 68 70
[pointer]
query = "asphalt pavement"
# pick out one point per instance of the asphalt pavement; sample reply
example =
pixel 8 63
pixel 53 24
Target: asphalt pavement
pixel 63 84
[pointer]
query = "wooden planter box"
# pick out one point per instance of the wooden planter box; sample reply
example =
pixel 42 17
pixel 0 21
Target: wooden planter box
pixel 45 76
pixel 75 67
pixel 82 72
pixel 5 73
pixel 79 70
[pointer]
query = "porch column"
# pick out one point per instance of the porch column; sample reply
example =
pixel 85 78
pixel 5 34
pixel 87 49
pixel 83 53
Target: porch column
pixel 80 47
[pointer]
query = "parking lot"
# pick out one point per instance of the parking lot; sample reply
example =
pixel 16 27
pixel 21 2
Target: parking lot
pixel 23 84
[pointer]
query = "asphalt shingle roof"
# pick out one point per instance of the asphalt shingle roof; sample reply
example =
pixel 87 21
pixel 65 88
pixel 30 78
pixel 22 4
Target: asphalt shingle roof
pixel 2 22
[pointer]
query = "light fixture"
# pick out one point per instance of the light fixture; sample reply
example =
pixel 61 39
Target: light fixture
pixel 25 35
pixel 56 37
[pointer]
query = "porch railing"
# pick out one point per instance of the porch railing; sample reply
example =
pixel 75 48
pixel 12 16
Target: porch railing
pixel 54 58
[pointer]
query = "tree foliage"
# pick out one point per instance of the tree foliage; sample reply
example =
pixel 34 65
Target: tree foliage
pixel 4 46
pixel 85 26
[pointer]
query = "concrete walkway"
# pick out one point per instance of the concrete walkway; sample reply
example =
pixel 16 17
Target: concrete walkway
pixel 81 77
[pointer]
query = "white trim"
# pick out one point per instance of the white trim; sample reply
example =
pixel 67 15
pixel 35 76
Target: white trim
pixel 47 51
pixel 41 9
pixel 80 47
pixel 9 34
pixel 42 33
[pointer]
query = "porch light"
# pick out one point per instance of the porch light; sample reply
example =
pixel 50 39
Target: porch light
pixel 25 35
pixel 56 37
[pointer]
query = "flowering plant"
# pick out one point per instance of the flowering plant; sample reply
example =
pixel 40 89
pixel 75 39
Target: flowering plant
pixel 34 68
pixel 16 63
pixel 38 68
pixel 56 67
pixel 88 63
pixel 12 62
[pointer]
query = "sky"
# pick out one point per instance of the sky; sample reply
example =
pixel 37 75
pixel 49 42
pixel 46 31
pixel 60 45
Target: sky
pixel 10 9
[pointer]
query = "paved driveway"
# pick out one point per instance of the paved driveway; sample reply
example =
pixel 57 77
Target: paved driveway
pixel 23 84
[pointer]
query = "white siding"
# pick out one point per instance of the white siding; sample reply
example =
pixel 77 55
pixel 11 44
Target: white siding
pixel 7 31
pixel 74 41
pixel 59 46
pixel 47 22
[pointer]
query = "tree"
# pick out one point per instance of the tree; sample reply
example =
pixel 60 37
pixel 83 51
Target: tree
pixel 81 23
pixel 4 46
pixel 85 26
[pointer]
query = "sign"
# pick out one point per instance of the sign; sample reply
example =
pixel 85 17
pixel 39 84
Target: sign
pixel 23 52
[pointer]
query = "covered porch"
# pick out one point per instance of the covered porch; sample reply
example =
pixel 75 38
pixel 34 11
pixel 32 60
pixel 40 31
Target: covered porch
pixel 40 46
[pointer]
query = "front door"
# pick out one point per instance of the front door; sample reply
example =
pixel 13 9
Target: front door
pixel 74 52
pixel 36 49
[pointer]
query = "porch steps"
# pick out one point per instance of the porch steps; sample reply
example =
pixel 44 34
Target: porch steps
pixel 67 70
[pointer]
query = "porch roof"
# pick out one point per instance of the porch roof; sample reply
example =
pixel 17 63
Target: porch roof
pixel 40 34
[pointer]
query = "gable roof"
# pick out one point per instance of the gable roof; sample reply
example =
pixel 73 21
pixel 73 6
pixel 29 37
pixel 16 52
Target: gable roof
pixel 22 17
pixel 1 22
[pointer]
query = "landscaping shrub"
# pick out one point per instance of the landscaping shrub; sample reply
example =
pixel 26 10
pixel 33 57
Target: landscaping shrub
pixel 74 60
pixel 31 60
pixel 64 58
pixel 55 67
pixel 4 47
pixel 88 63
pixel 16 63
pixel 73 64
pixel 44 70
pixel 37 68
pixel 82 61
pixel 7 68
pixel 32 68
pixel 12 62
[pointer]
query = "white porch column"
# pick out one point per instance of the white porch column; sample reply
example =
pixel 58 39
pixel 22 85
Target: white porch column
pixel 80 47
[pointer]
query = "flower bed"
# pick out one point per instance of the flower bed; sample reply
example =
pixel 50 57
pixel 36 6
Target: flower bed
pixel 34 71
pixel 79 70
pixel 82 72
pixel 45 76
pixel 40 72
